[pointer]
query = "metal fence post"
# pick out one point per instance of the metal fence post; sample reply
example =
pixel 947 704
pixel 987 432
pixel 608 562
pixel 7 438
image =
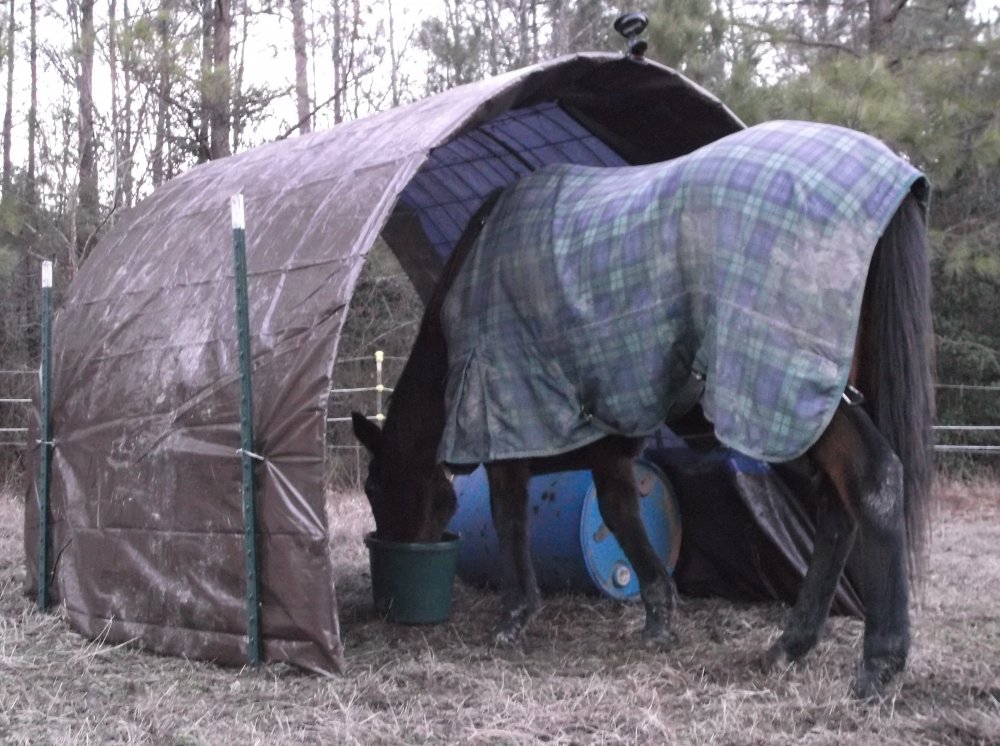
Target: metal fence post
pixel 45 437
pixel 254 642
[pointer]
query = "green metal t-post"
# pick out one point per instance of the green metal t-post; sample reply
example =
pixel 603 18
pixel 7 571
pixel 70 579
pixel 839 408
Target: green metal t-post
pixel 254 642
pixel 45 437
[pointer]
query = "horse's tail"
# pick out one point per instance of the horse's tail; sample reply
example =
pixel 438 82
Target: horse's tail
pixel 897 363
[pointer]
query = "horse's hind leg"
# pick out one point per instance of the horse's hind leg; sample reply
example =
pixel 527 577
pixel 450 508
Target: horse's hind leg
pixel 868 477
pixel 508 482
pixel 618 500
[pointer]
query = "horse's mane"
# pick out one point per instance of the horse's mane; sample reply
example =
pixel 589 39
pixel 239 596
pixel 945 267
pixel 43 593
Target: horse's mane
pixel 457 258
pixel 416 407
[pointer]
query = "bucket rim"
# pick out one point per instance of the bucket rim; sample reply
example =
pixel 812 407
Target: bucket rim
pixel 449 539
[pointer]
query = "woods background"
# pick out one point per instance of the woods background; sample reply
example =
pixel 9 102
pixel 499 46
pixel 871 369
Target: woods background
pixel 106 99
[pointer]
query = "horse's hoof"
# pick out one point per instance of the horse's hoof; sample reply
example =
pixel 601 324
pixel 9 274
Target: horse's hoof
pixel 504 637
pixel 660 639
pixel 867 686
pixel 875 677
pixel 510 629
pixel 776 658
pixel 787 650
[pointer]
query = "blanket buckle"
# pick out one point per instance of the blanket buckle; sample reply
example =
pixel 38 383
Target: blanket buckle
pixel 852 397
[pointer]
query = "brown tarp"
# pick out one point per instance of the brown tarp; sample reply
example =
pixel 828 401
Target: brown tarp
pixel 147 535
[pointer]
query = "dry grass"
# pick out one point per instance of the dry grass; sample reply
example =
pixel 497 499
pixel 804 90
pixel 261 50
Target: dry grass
pixel 580 678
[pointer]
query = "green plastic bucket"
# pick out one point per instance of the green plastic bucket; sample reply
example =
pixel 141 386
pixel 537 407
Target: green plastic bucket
pixel 412 582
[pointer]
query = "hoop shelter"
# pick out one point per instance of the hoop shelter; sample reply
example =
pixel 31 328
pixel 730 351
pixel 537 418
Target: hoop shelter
pixel 146 513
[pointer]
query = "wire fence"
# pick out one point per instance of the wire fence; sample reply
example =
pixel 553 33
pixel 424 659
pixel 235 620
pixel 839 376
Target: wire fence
pixel 15 400
pixel 14 410
pixel 967 447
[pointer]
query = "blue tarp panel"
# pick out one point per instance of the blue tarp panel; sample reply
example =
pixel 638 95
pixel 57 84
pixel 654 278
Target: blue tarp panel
pixel 458 176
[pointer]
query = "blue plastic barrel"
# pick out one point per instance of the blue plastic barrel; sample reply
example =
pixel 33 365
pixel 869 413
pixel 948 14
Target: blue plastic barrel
pixel 571 548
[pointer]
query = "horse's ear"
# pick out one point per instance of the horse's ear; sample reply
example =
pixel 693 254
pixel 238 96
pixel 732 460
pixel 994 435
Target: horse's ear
pixel 366 431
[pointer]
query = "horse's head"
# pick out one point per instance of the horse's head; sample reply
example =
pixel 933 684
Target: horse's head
pixel 411 496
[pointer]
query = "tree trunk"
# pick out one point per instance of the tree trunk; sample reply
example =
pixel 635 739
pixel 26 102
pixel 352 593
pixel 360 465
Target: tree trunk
pixel 116 128
pixel 126 142
pixel 11 300
pixel 29 285
pixel 207 28
pixel 339 68
pixel 525 33
pixel 239 109
pixel 87 202
pixel 159 155
pixel 8 118
pixel 495 36
pixel 881 15
pixel 394 57
pixel 32 196
pixel 299 42
pixel 220 118
pixel 121 107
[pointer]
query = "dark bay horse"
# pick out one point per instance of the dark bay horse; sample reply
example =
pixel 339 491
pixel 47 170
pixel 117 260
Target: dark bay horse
pixel 775 283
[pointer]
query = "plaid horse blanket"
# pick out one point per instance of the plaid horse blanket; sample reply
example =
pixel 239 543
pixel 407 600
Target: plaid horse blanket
pixel 608 300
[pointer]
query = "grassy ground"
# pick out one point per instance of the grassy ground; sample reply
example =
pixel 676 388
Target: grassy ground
pixel 580 678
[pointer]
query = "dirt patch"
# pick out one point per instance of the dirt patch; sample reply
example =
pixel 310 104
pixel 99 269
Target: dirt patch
pixel 580 678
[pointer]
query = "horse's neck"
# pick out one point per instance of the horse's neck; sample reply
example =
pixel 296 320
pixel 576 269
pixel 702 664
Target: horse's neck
pixel 415 419
pixel 416 415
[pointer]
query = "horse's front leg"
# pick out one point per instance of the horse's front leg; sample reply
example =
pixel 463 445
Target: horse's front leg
pixel 508 482
pixel 618 500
